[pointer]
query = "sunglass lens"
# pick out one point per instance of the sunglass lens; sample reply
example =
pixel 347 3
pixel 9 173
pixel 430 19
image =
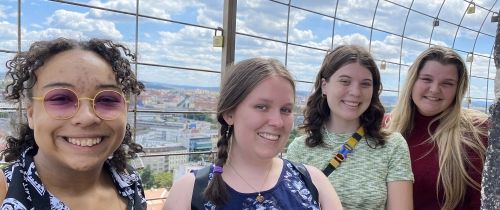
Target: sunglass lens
pixel 109 104
pixel 61 103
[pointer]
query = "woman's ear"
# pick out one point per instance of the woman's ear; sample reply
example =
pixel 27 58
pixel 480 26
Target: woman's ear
pixel 29 113
pixel 228 117
pixel 323 86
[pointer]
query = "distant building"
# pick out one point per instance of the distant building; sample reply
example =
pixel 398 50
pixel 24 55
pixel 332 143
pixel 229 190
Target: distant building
pixel 164 161
pixel 199 144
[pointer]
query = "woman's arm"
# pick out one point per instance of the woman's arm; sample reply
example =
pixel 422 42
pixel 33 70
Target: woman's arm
pixel 179 196
pixel 328 197
pixel 399 195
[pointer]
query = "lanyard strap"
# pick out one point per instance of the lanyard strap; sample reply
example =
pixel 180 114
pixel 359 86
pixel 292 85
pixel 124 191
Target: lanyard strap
pixel 344 150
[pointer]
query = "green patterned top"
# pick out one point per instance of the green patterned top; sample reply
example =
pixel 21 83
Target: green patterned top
pixel 361 179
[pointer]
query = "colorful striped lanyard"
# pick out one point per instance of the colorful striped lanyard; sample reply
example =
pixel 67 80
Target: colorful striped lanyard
pixel 344 150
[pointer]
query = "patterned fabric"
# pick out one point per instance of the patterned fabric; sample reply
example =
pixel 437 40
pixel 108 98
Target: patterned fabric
pixel 361 180
pixel 26 191
pixel 289 193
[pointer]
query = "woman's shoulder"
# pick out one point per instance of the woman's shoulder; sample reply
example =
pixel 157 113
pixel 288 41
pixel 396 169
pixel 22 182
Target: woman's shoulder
pixel 297 148
pixel 298 142
pixel 179 196
pixel 300 138
pixel 395 139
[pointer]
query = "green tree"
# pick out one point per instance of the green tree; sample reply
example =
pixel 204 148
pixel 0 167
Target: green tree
pixel 147 177
pixel 163 179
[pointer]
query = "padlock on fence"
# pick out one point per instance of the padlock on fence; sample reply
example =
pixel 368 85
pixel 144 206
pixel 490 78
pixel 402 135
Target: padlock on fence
pixel 218 40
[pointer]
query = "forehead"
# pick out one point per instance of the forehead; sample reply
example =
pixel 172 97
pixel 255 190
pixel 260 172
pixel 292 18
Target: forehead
pixel 273 88
pixel 78 68
pixel 439 70
pixel 353 70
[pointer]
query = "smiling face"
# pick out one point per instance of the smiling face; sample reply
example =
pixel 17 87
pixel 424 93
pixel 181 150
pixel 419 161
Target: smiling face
pixel 435 88
pixel 348 92
pixel 84 141
pixel 263 120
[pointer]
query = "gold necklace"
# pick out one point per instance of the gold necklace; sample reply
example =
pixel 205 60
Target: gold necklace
pixel 260 198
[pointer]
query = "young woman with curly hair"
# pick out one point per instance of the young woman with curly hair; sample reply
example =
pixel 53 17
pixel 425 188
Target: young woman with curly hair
pixel 72 151
pixel 369 168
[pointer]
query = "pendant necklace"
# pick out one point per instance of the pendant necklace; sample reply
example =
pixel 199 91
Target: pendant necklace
pixel 260 198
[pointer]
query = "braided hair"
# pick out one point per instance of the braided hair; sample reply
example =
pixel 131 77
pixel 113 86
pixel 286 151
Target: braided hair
pixel 238 82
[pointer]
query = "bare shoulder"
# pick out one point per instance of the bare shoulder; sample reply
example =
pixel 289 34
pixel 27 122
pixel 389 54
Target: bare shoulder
pixel 179 196
pixel 314 172
pixel 328 197
pixel 3 185
pixel 318 178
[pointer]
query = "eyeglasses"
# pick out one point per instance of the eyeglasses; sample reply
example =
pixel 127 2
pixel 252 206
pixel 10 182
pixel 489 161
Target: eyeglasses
pixel 63 103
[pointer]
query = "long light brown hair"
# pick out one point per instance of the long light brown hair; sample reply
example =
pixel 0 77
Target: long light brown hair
pixel 457 132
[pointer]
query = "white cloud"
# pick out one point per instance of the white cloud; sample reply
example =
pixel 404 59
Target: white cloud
pixel 122 5
pixel 389 49
pixel 51 33
pixel 80 23
pixel 356 38
pixel 262 19
pixel 359 11
pixel 188 47
pixel 162 9
pixel 297 35
pixel 8 30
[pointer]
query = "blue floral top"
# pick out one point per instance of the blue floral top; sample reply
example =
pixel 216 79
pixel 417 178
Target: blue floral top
pixel 289 193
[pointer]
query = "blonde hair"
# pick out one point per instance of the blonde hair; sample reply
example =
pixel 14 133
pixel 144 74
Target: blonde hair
pixel 457 131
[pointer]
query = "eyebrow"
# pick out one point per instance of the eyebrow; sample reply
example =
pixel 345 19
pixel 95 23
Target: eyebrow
pixel 446 79
pixel 269 101
pixel 349 77
pixel 68 85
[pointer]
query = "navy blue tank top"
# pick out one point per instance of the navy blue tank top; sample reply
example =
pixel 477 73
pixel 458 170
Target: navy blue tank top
pixel 289 193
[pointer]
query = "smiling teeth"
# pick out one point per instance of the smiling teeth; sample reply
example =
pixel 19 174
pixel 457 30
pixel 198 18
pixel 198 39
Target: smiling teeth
pixel 269 136
pixel 84 142
pixel 432 98
pixel 351 103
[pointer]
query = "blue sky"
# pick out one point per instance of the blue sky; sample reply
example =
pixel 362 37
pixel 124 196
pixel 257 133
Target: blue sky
pixel 177 45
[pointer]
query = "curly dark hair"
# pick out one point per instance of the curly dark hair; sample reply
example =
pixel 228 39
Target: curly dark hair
pixel 21 70
pixel 317 111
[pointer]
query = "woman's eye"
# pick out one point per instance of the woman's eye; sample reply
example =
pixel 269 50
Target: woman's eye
pixel 345 82
pixel 366 84
pixel 261 107
pixel 286 110
pixel 426 79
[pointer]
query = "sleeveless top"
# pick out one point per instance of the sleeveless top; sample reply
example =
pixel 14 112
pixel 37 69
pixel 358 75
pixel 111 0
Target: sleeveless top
pixel 290 192
pixel 26 191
